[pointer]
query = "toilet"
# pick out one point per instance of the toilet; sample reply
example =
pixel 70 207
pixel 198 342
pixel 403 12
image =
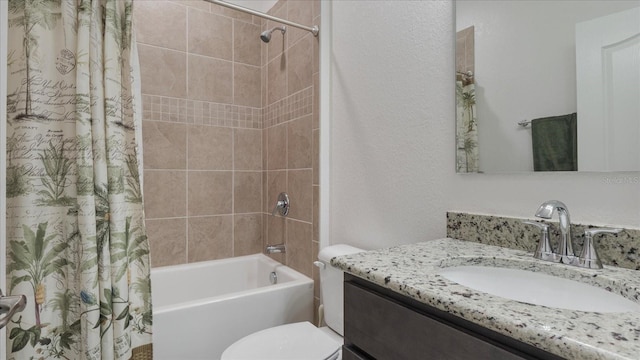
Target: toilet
pixel 303 340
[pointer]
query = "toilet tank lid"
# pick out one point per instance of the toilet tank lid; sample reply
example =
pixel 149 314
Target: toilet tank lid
pixel 332 251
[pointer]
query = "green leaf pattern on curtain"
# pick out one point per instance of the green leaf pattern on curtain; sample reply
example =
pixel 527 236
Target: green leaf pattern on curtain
pixel 466 129
pixel 77 245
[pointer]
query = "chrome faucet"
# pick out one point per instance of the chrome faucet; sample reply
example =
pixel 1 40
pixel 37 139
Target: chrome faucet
pixel 589 256
pixel 275 249
pixel 282 205
pixel 546 211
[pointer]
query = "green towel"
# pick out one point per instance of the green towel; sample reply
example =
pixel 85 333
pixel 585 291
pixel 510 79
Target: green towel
pixel 555 143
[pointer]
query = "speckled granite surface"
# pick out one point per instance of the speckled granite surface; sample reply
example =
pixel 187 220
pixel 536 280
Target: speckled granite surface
pixel 411 270
pixel 616 250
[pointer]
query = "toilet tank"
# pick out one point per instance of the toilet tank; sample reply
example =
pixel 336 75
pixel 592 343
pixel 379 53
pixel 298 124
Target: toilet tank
pixel 331 286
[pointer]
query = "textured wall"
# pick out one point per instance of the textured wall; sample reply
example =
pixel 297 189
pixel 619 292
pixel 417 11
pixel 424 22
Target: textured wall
pixel 392 129
pixel 392 137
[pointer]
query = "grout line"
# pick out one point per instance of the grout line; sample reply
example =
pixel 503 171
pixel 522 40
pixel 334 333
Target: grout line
pixel 186 42
pixel 201 216
pixel 233 193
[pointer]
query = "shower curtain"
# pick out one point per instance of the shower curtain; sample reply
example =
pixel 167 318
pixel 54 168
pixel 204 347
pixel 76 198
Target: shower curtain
pixel 466 129
pixel 75 232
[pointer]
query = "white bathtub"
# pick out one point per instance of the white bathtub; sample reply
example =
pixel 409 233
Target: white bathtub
pixel 200 309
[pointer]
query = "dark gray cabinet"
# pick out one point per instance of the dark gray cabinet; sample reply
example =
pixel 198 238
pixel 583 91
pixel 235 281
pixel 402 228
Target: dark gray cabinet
pixel 380 324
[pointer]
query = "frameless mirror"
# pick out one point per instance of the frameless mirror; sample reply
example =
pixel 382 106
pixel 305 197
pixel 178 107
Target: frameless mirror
pixel 547 85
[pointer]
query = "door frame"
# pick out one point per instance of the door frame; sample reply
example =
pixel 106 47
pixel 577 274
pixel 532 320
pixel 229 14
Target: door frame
pixel 3 158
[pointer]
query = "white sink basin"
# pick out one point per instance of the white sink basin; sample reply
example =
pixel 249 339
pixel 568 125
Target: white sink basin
pixel 538 289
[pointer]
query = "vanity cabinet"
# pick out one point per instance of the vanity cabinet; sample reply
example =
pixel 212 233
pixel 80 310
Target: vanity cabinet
pixel 381 324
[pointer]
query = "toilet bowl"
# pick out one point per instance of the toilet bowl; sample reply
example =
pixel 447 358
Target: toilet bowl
pixel 303 340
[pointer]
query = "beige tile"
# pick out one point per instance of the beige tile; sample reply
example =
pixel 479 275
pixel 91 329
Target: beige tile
pixel 265 192
pixel 210 35
pixel 198 4
pixel 167 241
pixel 264 229
pixel 247 234
pixel 315 248
pixel 210 238
pixel 316 101
pixel 316 10
pixel 276 183
pixel 234 14
pixel 210 192
pixel 264 149
pixel 247 192
pixel 316 157
pixel 300 65
pixel 246 43
pixel 163 71
pixel 247 90
pixel 247 149
pixel 299 143
pixel 164 144
pixel 316 315
pixel 277 8
pixel 276 80
pixel 300 194
pixel 460 54
pixel 210 79
pixel 161 23
pixel 165 194
pixel 278 44
pixel 316 213
pixel 300 11
pixel 210 148
pixel 277 147
pixel 263 85
pixel 299 246
pixel 276 234
pixel 316 51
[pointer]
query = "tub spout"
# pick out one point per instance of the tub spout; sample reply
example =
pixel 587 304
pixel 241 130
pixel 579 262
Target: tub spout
pixel 275 249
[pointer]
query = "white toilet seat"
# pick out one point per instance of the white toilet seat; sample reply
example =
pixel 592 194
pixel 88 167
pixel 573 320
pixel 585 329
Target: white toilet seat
pixel 298 341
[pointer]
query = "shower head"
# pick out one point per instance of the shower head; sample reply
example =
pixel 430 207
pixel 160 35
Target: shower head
pixel 266 35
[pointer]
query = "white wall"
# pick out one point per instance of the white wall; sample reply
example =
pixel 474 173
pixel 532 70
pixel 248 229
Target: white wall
pixel 514 40
pixel 392 173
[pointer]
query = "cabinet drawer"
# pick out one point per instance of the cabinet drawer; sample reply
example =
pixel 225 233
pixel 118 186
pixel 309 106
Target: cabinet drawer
pixel 385 329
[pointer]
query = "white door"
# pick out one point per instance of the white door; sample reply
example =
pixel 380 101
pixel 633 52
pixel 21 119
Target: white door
pixel 608 81
pixel 3 137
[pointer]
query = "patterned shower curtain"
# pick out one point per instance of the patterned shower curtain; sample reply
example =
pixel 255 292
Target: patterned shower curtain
pixel 75 232
pixel 466 129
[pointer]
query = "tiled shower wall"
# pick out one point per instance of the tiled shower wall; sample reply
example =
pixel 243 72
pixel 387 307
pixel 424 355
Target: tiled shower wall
pixel 465 51
pixel 229 122
pixel 291 134
pixel 202 130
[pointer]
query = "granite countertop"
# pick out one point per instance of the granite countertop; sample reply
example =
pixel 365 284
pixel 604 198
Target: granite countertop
pixel 411 270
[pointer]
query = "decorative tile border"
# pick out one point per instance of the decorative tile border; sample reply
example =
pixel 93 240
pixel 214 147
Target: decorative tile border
pixel 291 107
pixel 162 108
pixel 616 250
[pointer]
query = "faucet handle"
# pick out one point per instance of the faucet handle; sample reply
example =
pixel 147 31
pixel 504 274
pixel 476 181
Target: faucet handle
pixel 282 205
pixel 544 251
pixel 589 257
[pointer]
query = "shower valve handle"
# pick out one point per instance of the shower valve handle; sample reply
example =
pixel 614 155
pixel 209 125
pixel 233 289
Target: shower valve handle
pixel 282 205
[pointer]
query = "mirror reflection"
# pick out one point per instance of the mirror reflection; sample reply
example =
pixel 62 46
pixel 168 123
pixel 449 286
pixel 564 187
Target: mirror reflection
pixel 547 86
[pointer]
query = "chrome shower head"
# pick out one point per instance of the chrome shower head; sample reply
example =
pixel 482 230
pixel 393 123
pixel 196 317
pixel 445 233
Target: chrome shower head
pixel 266 35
